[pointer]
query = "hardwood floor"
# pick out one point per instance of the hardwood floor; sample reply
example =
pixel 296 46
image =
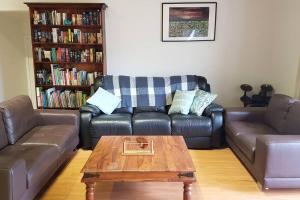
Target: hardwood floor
pixel 220 175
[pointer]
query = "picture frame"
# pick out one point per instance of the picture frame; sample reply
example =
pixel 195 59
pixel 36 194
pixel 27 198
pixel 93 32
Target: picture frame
pixel 185 22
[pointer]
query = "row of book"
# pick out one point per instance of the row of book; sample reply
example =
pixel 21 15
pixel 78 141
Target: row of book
pixel 62 76
pixel 69 36
pixel 63 18
pixel 52 98
pixel 68 55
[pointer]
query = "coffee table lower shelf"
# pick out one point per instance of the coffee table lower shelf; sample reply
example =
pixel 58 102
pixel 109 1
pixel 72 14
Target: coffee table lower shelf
pixel 90 179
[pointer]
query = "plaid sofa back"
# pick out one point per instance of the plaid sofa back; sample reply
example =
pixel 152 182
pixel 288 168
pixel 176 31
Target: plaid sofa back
pixel 148 91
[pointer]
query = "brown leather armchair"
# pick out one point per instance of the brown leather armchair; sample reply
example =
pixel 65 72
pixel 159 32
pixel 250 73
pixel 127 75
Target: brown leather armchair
pixel 267 141
pixel 33 145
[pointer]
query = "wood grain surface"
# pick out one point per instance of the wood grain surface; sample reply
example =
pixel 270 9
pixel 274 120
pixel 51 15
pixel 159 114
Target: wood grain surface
pixel 170 155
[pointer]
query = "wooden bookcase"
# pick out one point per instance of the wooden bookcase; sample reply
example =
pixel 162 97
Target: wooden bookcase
pixel 69 51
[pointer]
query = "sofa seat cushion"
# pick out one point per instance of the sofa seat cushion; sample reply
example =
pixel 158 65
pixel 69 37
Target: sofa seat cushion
pixel 41 161
pixel 161 109
pixel 244 135
pixel 151 123
pixel 191 125
pixel 59 136
pixel 114 124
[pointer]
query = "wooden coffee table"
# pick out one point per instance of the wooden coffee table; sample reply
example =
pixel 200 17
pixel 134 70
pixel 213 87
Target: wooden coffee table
pixel 171 162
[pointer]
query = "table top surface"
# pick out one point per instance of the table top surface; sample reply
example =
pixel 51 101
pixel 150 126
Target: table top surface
pixel 170 155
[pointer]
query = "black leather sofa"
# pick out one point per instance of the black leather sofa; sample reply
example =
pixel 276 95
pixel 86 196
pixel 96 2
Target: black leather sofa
pixel 200 132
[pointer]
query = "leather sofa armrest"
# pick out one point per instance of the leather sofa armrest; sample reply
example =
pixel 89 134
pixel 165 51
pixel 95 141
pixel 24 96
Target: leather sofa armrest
pixel 277 156
pixel 12 178
pixel 89 108
pixel 87 112
pixel 213 107
pixel 85 138
pixel 251 114
pixel 215 112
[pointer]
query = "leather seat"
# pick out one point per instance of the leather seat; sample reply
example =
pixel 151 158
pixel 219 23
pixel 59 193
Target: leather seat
pixel 191 125
pixel 114 124
pixel 245 133
pixel 154 123
pixel 60 136
pixel 39 160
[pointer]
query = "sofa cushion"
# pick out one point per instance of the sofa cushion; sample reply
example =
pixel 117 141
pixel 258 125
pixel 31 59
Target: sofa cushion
pixel 201 101
pixel 128 110
pixel 151 123
pixel 59 136
pixel 3 136
pixel 291 124
pixel 41 161
pixel 161 109
pixel 244 135
pixel 182 102
pixel 104 100
pixel 114 124
pixel 191 125
pixel 19 117
pixel 277 111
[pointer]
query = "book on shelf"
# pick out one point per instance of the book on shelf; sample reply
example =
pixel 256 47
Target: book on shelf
pixel 52 98
pixel 67 55
pixel 75 35
pixel 53 17
pixel 66 77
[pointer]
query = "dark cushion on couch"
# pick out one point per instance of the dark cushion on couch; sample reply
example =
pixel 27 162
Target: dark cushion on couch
pixel 191 125
pixel 277 111
pixel 19 117
pixel 154 123
pixel 161 109
pixel 128 110
pixel 114 124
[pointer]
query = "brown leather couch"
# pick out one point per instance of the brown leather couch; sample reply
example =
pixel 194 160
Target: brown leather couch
pixel 33 145
pixel 267 141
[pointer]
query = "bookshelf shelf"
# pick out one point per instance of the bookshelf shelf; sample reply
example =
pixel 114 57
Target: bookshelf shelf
pixel 63 35
pixel 42 108
pixel 67 63
pixel 66 26
pixel 81 87
pixel 65 44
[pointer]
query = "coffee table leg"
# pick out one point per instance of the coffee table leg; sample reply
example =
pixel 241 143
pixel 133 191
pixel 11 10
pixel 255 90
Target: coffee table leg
pixel 187 191
pixel 90 191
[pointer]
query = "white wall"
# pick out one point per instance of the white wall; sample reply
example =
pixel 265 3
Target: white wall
pixel 13 76
pixel 257 41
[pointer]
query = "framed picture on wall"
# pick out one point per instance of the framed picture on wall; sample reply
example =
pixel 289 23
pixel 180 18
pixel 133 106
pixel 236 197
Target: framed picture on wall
pixel 189 21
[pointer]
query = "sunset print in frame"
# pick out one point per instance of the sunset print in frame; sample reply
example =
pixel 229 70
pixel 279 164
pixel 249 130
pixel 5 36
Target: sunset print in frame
pixel 189 21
